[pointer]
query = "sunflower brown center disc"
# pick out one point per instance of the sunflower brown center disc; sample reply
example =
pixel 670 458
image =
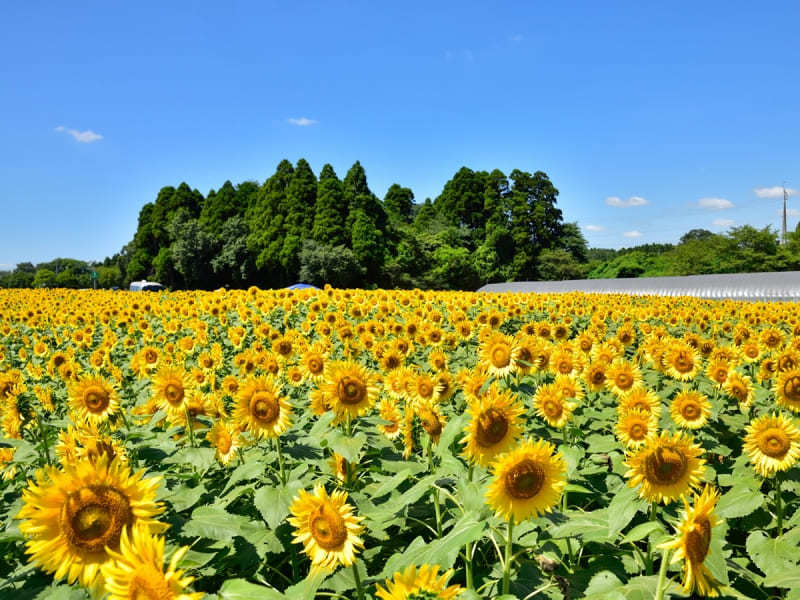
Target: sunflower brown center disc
pixel 350 390
pixel 93 517
pixel 96 399
pixel 698 539
pixel 492 427
pixel 553 409
pixel 624 381
pixel 665 466
pixel 683 363
pixel 431 423
pixel 773 442
pixel 174 393
pixel 315 366
pixel 791 388
pixel 328 527
pixel 690 411
pixel 150 356
pixel 264 407
pixel 525 479
pixel 637 431
pixel 501 356
pixel 598 377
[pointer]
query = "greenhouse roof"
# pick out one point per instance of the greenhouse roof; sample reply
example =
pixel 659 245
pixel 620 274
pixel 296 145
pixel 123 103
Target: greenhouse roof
pixel 783 286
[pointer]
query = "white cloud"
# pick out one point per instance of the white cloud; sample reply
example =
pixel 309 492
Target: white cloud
pixel 632 201
pixel 517 38
pixel 87 137
pixel 715 203
pixel 633 234
pixel 723 222
pixel 594 228
pixel 303 122
pixel 775 191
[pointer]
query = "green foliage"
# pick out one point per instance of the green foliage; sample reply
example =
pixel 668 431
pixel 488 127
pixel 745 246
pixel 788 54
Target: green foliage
pixel 336 265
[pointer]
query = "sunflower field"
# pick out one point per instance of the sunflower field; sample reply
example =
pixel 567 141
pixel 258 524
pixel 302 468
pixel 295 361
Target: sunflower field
pixel 351 444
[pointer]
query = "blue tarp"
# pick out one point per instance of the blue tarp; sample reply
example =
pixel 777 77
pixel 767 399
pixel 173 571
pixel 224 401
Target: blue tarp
pixel 302 286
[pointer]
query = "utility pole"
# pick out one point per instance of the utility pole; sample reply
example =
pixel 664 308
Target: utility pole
pixel 783 228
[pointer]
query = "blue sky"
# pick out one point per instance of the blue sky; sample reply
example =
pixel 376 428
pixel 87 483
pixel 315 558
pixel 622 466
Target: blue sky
pixel 103 103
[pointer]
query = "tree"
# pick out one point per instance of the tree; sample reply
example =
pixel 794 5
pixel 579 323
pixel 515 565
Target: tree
pixel 44 278
pixel 297 207
pixel 558 265
pixel 335 265
pixel 368 243
pixel 696 235
pixel 398 203
pixel 331 211
pixel 234 264
pixel 462 203
pixel 265 221
pixel 192 251
pixel 453 269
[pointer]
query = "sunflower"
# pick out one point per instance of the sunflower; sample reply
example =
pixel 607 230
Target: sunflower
pixel 93 399
pixel 498 354
pixel 313 364
pixel 226 440
pixel 690 409
pixel 568 386
pixel 388 411
pixel 552 406
pixel 327 528
pixel 717 370
pixel 137 570
pixel 527 481
pixel 595 376
pixel 72 516
pixel 772 444
pixel 350 388
pixel 640 398
pixel 682 362
pixel 739 387
pixel 432 420
pixel 787 390
pixel 622 376
pixel 667 466
pixel 261 408
pixel 634 427
pixel 493 427
pixel 172 386
pixel 339 466
pixel 423 582
pixel 695 531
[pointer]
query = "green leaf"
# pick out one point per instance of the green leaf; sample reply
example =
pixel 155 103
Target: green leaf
pixel 590 526
pixel 453 428
pixel 642 531
pixel 200 458
pixel 623 507
pixel 273 502
pixel 604 586
pixel 773 555
pixel 741 500
pixel 349 447
pixel 249 470
pixel 184 497
pixel 240 589
pixel 785 578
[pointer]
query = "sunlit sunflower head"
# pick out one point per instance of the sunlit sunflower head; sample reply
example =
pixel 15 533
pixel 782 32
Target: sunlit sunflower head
pixel 493 427
pixel 595 375
pixel 640 398
pixel 424 388
pixel 690 409
pixel 568 386
pixel 717 370
pixel 136 571
pixel 693 541
pixel 740 387
pixel 351 388
pixel 552 406
pixel 388 411
pixel 634 427
pixel 682 362
pixel 498 354
pixel 93 399
pixel 527 359
pixel 419 583
pixel 261 407
pixel 772 444
pixel 622 376
pixel 327 527
pixel 226 439
pixel 787 390
pixel 527 481
pixel 667 467
pixel 72 516
pixel 172 386
pixel 313 364
pixel 432 420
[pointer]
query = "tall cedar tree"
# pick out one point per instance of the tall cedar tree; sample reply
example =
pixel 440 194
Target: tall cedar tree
pixel 331 213
pixel 266 224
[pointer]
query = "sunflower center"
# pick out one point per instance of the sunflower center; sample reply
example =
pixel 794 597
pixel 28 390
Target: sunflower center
pixel 690 411
pixel 96 399
pixel 424 389
pixel 525 479
pixel 665 466
pixel 93 517
pixel 637 432
pixel 351 390
pixel 774 443
pixel 315 366
pixel 328 527
pixel 264 407
pixel 698 539
pixel 598 377
pixel 564 367
pixel 492 427
pixel 624 381
pixel 149 583
pixel 150 356
pixel 501 356
pixel 553 409
pixel 173 392
pixel 224 442
pixel 683 362
pixel 739 392
pixel 431 423
pixel 791 388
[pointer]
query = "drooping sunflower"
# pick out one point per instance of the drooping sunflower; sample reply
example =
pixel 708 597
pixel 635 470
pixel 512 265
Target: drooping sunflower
pixel 690 409
pixel 72 516
pixel 667 467
pixel 93 399
pixel 388 411
pixel 787 390
pixel 136 571
pixel 772 444
pixel 693 541
pixel 327 528
pixel 498 354
pixel 261 408
pixel 350 388
pixel 415 583
pixel 740 387
pixel 432 420
pixel 552 406
pixel 171 386
pixel 527 481
pixel 634 427
pixel 226 440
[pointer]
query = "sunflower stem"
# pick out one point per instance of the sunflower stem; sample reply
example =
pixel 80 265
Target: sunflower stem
pixel 507 561
pixel 569 541
pixel 359 587
pixel 653 517
pixel 189 426
pixel 468 566
pixel 778 504
pixel 43 434
pixel 436 507
pixel 662 575
pixel 280 460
